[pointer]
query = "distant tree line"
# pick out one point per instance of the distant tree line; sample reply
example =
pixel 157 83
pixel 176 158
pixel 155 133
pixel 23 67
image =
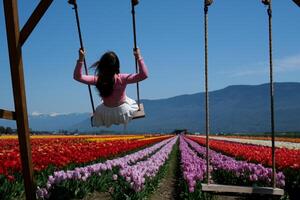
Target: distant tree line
pixel 67 132
pixel 180 131
pixel 6 130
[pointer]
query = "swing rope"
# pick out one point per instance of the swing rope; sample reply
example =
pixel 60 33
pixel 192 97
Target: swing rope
pixel 272 94
pixel 272 116
pixel 73 2
pixel 133 4
pixel 206 4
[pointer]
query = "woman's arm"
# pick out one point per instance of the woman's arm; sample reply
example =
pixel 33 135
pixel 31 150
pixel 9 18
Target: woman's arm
pixel 86 79
pixel 78 76
pixel 143 71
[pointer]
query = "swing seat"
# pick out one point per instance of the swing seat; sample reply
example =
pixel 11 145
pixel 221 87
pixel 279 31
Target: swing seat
pixel 139 113
pixel 136 115
pixel 232 189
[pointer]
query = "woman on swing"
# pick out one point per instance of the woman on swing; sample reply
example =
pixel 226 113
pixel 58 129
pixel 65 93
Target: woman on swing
pixel 116 107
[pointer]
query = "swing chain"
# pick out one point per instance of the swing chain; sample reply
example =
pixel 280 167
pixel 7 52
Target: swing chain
pixel 73 2
pixel 135 2
pixel 266 2
pixel 206 4
pixel 270 12
pixel 205 9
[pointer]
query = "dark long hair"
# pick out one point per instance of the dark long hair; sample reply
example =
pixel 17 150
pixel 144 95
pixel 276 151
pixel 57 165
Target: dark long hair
pixel 106 68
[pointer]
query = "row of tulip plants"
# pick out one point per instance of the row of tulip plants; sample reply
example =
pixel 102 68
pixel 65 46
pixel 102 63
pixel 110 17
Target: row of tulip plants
pixel 122 177
pixel 223 169
pixel 285 158
pixel 266 143
pixel 67 151
pixel 281 139
pixel 240 172
pixel 193 167
pixel 287 162
pixel 60 152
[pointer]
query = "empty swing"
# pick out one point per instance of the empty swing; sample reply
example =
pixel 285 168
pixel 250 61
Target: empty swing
pixel 140 112
pixel 230 189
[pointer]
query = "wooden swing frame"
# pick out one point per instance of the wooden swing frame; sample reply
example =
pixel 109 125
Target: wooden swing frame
pixel 16 39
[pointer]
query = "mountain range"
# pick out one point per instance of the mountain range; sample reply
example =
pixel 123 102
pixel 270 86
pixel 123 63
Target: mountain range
pixel 237 108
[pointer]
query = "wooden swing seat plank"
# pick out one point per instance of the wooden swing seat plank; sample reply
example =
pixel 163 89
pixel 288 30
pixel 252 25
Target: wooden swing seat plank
pixel 9 115
pixel 140 113
pixel 136 115
pixel 223 189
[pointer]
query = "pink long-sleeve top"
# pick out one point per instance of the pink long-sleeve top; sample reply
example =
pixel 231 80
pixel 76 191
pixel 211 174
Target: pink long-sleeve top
pixel 118 95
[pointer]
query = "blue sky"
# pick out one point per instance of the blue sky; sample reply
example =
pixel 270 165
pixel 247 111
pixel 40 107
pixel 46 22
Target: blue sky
pixel 170 35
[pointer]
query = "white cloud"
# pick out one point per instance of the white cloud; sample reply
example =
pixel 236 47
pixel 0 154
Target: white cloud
pixel 286 64
pixel 52 114
pixel 55 114
pixel 250 72
pixel 35 113
pixel 291 63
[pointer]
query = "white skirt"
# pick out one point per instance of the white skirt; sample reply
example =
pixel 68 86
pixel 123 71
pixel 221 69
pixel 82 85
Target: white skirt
pixel 107 116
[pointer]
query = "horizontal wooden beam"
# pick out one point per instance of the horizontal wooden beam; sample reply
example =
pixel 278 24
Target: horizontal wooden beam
pixel 232 189
pixel 34 20
pixel 5 114
pixel 297 2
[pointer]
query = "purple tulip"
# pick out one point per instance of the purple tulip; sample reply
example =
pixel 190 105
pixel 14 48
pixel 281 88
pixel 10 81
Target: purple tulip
pixel 147 169
pixel 193 167
pixel 254 173
pixel 83 173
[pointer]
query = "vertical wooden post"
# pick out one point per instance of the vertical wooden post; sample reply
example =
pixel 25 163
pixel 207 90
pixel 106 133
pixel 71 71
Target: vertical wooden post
pixel 17 74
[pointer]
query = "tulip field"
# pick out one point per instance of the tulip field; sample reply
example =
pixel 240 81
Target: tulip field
pixel 132 166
